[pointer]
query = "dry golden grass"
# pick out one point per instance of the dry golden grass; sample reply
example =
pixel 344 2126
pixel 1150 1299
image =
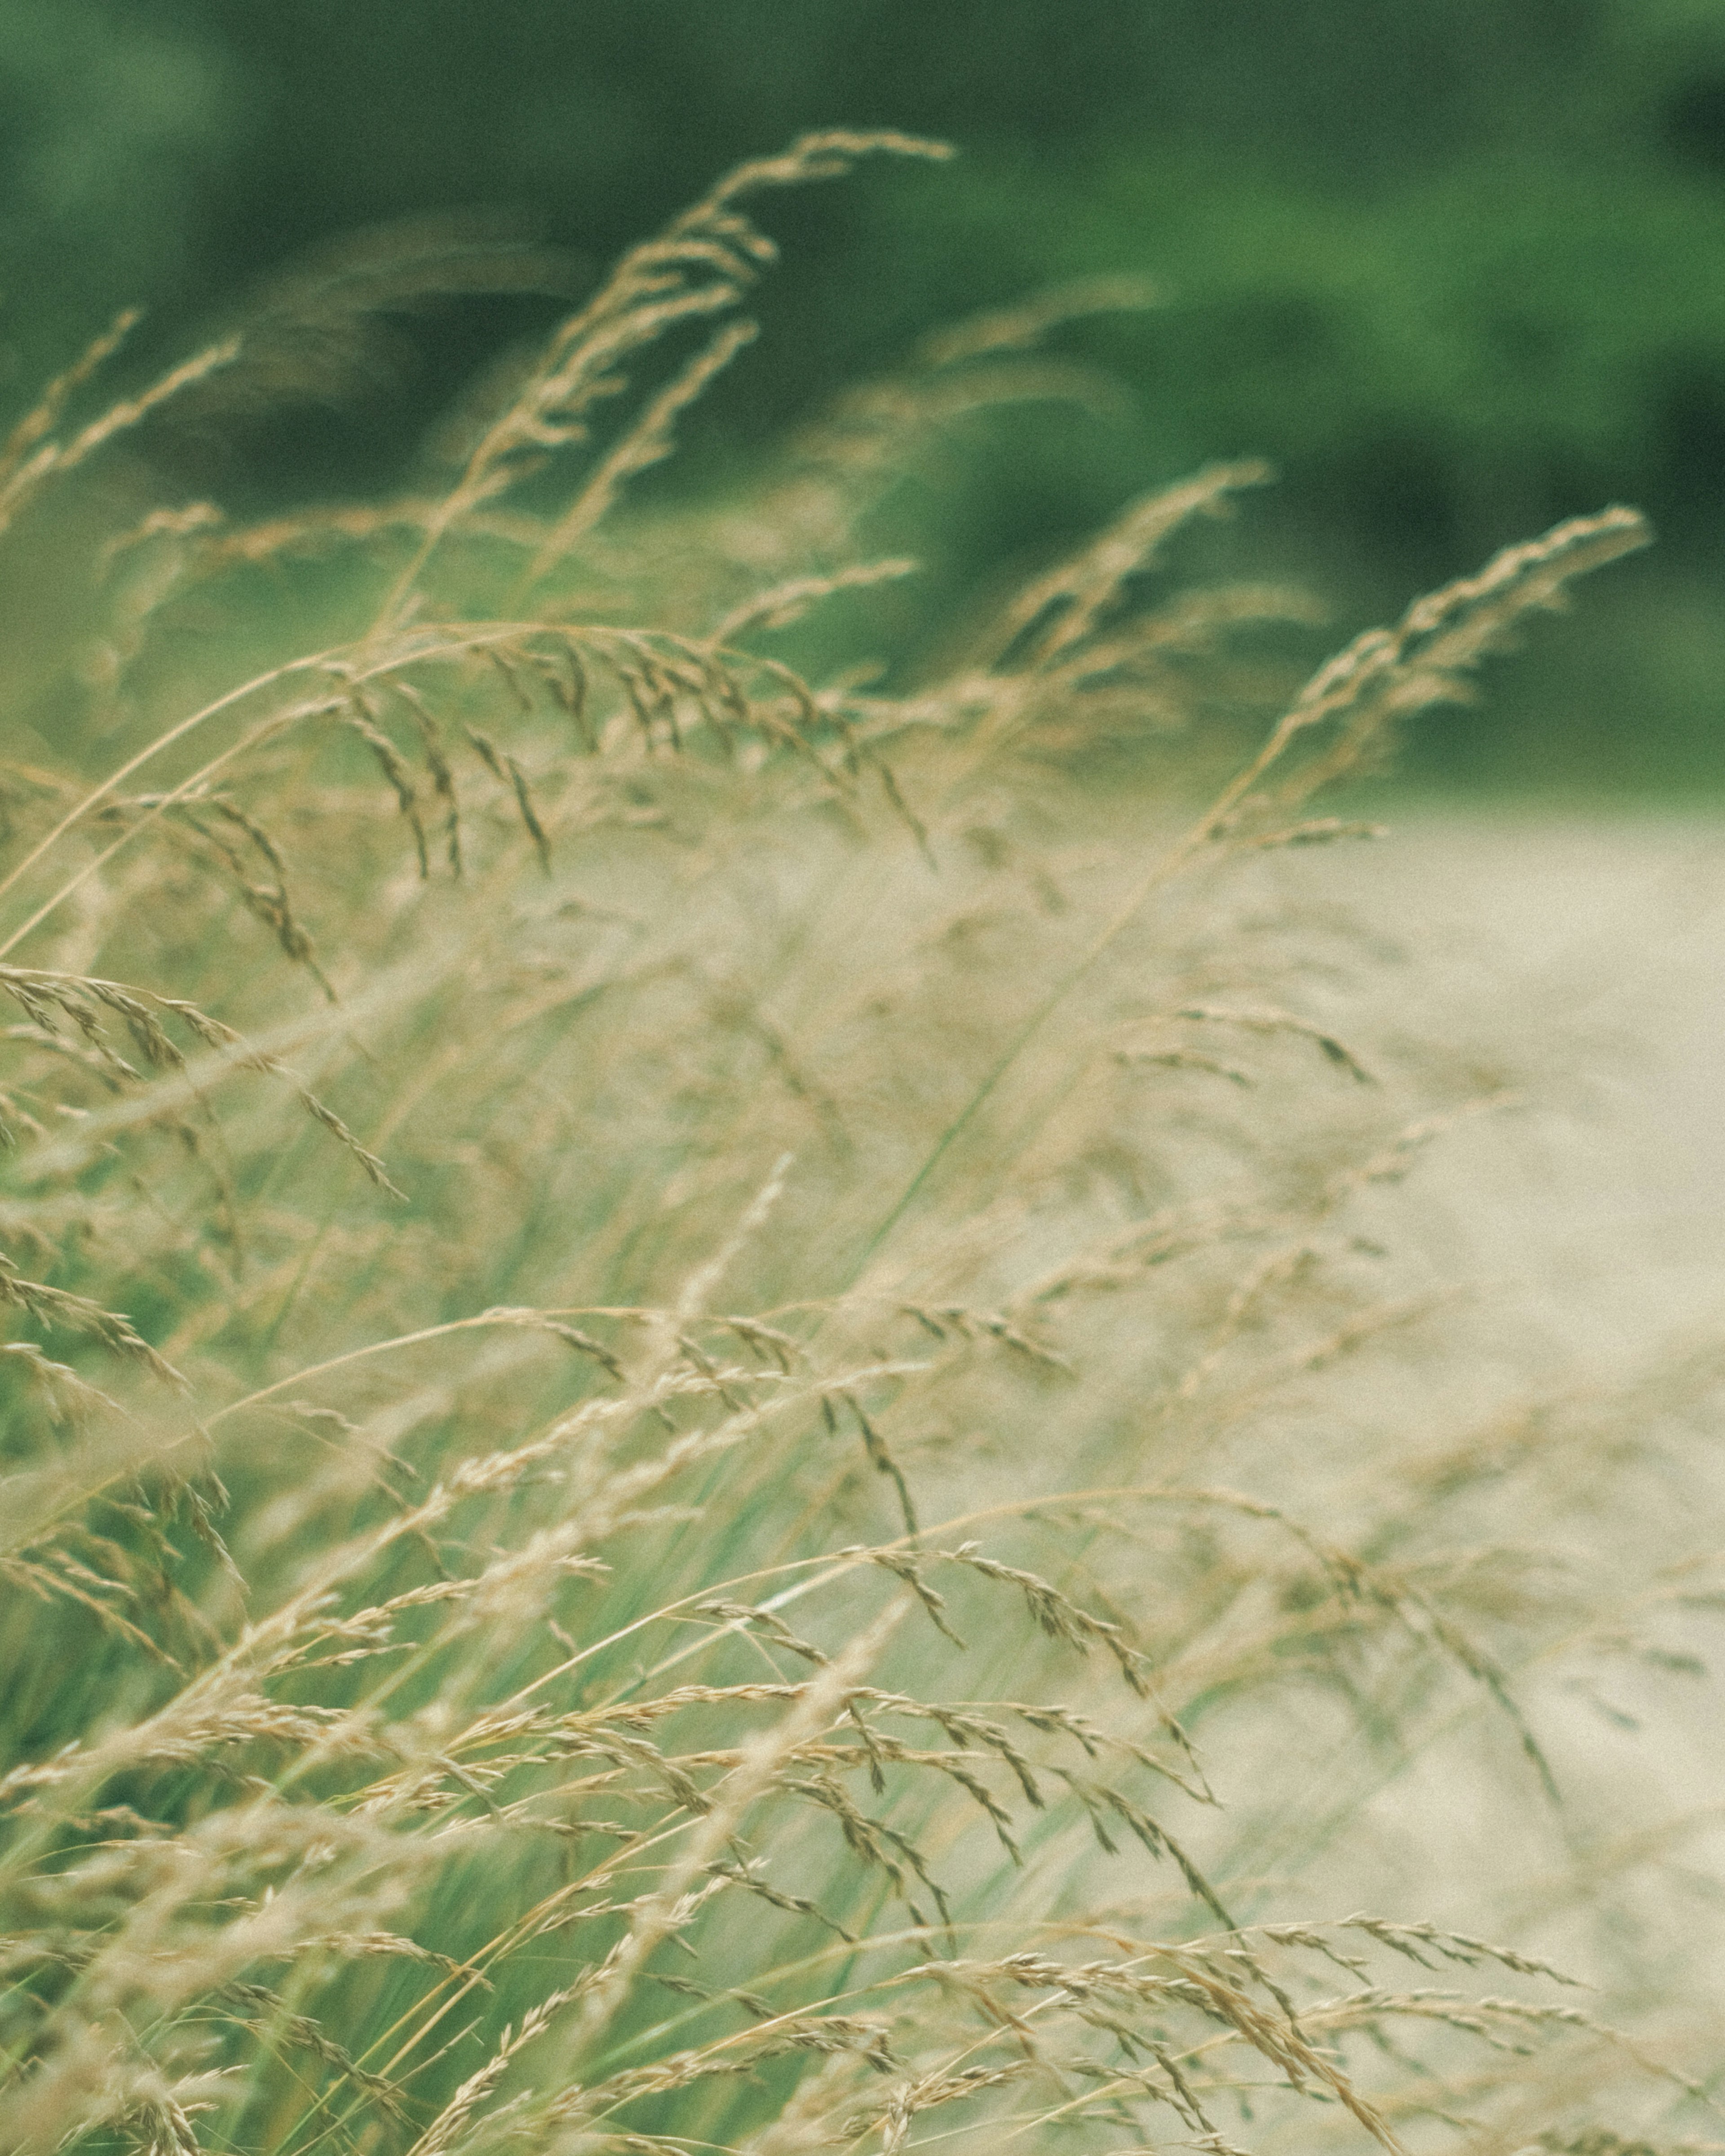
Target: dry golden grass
pixel 753 1449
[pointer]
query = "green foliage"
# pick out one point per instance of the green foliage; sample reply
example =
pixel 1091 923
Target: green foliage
pixel 1454 267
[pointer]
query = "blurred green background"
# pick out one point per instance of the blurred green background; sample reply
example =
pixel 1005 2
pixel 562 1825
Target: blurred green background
pixel 1457 267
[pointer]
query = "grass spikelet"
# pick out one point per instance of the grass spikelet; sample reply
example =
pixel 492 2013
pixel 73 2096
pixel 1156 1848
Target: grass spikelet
pixel 700 265
pixel 1265 1020
pixel 43 416
pixel 1386 675
pixel 57 1307
pixel 787 603
pixel 1057 1615
pixel 33 456
pixel 648 442
pixel 1053 616
pixel 1023 325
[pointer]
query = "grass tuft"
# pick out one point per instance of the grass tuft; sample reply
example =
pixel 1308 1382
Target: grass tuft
pixel 831 1545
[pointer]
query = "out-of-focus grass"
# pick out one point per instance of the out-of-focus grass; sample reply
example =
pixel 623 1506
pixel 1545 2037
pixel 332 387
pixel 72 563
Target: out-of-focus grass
pixel 685 1333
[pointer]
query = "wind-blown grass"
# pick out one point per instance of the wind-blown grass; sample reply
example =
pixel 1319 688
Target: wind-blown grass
pixel 710 1437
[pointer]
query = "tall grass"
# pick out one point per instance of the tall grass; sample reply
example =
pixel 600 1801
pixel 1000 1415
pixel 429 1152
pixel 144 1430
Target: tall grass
pixel 726 1423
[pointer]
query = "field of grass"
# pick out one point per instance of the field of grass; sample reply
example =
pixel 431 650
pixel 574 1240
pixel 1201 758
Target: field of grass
pixel 736 1420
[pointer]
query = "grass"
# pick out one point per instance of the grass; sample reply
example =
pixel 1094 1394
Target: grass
pixel 726 1425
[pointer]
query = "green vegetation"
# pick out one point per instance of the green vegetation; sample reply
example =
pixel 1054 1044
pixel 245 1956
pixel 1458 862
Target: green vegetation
pixel 725 1428
pixel 1453 267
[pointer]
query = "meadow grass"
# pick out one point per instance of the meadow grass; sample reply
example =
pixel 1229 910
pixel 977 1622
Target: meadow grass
pixel 726 1425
